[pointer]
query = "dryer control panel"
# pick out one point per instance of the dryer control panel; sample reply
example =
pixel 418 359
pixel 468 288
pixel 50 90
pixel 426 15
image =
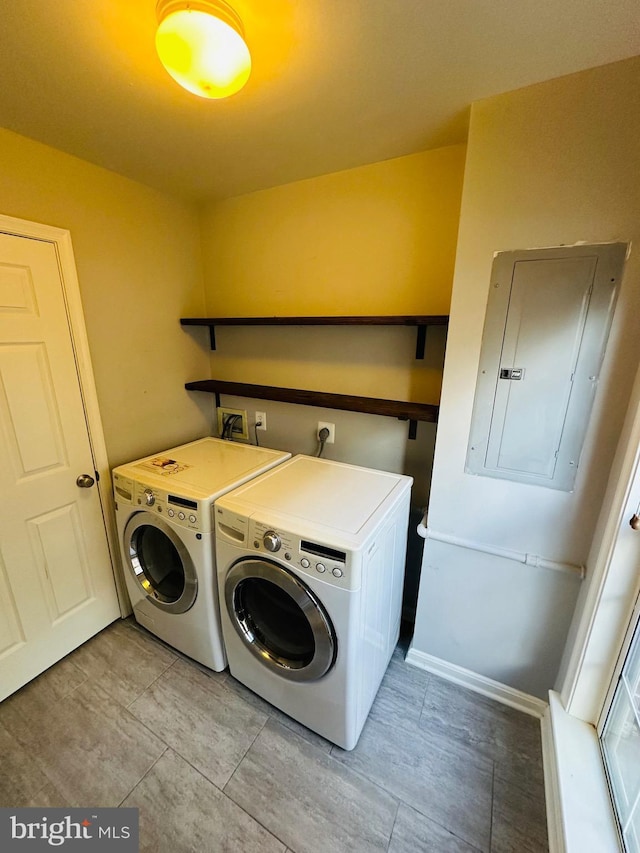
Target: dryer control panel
pixel 308 557
pixel 312 558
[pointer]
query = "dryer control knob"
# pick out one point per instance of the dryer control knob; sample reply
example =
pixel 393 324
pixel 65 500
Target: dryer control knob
pixel 272 541
pixel 149 497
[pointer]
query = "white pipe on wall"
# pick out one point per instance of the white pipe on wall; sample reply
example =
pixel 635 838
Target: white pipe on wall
pixel 517 556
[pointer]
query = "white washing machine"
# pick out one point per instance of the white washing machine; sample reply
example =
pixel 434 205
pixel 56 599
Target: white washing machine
pixel 164 511
pixel 310 571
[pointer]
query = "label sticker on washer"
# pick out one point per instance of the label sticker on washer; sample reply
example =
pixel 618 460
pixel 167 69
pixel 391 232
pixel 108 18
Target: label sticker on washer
pixel 163 465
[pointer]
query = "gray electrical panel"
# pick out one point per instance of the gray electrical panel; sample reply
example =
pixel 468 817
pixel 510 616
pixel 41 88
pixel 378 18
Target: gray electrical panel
pixel 548 318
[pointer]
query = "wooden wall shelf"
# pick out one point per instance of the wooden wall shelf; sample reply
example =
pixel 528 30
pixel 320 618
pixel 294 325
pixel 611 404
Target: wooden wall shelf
pixel 413 412
pixel 421 321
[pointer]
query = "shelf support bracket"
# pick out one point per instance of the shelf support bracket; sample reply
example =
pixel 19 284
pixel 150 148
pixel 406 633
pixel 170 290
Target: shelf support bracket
pixel 413 427
pixel 420 341
pixel 212 337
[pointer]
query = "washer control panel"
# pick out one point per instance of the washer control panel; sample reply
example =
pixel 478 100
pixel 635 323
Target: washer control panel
pixel 174 508
pixel 271 541
pixel 313 558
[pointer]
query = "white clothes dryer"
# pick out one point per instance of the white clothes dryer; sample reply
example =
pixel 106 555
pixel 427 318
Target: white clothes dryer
pixel 310 572
pixel 164 512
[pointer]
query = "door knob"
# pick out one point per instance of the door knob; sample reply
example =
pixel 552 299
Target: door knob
pixel 634 521
pixel 85 481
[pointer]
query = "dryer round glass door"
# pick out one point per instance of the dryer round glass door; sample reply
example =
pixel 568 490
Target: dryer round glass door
pixel 160 563
pixel 280 620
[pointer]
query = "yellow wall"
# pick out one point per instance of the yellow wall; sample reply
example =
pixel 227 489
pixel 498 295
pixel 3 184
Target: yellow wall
pixel 378 239
pixel 138 259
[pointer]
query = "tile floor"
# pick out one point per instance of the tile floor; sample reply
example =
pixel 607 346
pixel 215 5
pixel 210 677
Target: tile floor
pixel 126 721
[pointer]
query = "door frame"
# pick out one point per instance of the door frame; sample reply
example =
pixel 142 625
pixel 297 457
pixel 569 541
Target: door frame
pixel 60 238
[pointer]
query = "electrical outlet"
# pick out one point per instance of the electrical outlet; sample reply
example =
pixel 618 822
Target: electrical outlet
pixel 261 420
pixel 240 425
pixel 332 431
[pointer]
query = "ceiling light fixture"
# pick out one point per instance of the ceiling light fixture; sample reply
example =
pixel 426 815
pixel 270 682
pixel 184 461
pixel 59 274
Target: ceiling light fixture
pixel 201 44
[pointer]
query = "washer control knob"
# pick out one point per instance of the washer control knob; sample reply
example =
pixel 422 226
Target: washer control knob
pixel 272 541
pixel 170 513
pixel 337 573
pixel 320 567
pixel 192 519
pixel 181 516
pixel 305 563
pixel 149 497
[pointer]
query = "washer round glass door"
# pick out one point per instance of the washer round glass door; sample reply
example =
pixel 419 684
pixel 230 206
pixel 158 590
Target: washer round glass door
pixel 280 620
pixel 160 563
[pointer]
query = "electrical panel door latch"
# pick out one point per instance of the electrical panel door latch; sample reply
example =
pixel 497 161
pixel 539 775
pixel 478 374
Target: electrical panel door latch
pixel 512 373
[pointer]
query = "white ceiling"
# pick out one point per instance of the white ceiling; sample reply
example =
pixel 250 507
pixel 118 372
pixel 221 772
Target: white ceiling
pixel 335 83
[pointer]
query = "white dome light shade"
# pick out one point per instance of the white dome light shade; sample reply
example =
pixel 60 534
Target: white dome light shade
pixel 201 44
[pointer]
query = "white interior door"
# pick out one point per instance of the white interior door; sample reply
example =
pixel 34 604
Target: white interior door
pixel 56 581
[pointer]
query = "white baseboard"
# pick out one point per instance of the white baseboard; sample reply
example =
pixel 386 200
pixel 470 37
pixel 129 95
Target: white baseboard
pixel 480 683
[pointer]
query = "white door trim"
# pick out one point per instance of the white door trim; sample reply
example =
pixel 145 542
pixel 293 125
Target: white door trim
pixel 61 239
